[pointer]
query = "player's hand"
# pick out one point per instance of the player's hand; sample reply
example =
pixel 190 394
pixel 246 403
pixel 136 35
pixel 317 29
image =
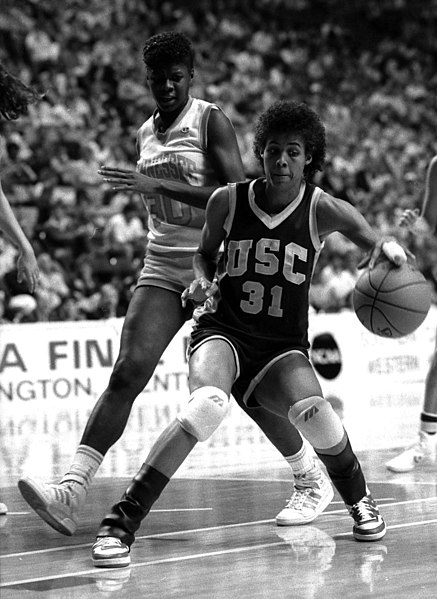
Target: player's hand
pixel 386 248
pixel 199 291
pixel 408 218
pixel 123 179
pixel 28 270
pixel 411 220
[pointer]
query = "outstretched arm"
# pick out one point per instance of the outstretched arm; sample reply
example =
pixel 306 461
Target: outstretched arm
pixel 225 155
pixel 334 214
pixel 27 264
pixel 429 208
pixel 205 258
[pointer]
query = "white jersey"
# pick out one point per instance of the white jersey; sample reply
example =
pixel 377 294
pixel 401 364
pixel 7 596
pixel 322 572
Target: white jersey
pixel 178 154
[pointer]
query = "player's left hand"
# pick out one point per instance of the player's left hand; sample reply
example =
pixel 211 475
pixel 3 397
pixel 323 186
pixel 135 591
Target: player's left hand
pixel 199 291
pixel 386 248
pixel 416 224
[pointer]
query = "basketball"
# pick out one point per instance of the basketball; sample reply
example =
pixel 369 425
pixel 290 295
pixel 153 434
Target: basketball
pixel 392 301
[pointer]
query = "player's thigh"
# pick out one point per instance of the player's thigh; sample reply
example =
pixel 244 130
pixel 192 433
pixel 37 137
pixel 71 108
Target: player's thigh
pixel 153 318
pixel 289 380
pixel 213 363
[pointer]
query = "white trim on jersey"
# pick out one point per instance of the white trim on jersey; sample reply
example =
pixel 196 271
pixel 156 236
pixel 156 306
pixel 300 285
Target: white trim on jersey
pixel 272 221
pixel 314 229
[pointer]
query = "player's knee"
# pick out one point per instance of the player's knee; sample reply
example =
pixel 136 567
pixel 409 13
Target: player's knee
pixel 317 421
pixel 128 374
pixel 305 409
pixel 204 412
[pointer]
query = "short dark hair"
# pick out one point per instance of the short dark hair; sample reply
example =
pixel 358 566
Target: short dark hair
pixel 299 118
pixel 168 48
pixel 15 96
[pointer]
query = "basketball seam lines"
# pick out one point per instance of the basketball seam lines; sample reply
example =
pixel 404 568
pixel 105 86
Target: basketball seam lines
pixel 381 301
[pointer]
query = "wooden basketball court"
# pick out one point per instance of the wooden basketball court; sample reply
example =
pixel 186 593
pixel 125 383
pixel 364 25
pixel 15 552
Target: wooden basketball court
pixel 215 537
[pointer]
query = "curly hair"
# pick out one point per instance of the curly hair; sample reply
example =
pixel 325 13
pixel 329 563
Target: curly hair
pixel 298 118
pixel 15 96
pixel 168 48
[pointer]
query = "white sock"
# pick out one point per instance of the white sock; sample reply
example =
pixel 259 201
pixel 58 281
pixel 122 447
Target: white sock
pixel 303 463
pixel 85 464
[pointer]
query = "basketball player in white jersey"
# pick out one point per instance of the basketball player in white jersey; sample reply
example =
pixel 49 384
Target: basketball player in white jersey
pixel 15 98
pixel 186 149
pixel 255 343
pixel 423 451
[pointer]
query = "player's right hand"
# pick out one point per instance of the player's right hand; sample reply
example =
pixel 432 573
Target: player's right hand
pixel 386 248
pixel 27 269
pixel 123 179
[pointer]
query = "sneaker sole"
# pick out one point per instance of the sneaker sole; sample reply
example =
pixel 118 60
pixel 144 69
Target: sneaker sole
pixel 112 562
pixel 324 505
pixel 402 469
pixel 374 536
pixel 399 470
pixel 38 503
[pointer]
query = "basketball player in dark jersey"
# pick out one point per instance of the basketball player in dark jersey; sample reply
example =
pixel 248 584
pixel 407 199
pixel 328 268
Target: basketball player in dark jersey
pixel 424 451
pixel 15 98
pixel 254 344
pixel 186 150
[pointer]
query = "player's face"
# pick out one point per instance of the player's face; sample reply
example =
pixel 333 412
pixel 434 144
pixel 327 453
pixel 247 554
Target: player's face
pixel 170 86
pixel 284 159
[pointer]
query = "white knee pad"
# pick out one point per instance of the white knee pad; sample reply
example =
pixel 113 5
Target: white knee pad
pixel 318 423
pixel 204 413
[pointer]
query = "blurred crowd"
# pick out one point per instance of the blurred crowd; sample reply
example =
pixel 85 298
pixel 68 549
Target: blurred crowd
pixel 368 68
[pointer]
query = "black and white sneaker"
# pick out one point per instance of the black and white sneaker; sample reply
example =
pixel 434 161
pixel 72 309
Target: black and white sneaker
pixel 110 552
pixel 369 524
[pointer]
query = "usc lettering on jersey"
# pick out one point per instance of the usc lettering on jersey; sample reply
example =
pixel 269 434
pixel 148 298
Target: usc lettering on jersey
pixel 267 266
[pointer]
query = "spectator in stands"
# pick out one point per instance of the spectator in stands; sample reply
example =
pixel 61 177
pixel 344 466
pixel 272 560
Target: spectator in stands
pixel 52 288
pixel 101 304
pixel 22 308
pixel 83 282
pixel 125 233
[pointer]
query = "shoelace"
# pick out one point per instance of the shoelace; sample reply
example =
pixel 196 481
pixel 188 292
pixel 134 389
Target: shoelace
pixel 107 542
pixel 363 511
pixel 298 498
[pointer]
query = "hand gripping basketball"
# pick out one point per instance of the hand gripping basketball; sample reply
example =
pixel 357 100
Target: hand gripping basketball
pixel 394 252
pixel 386 248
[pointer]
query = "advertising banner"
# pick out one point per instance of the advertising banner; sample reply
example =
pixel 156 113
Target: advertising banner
pixel 51 375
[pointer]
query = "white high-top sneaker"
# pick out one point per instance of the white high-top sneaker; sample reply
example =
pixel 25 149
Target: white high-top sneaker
pixel 58 505
pixel 308 500
pixel 423 452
